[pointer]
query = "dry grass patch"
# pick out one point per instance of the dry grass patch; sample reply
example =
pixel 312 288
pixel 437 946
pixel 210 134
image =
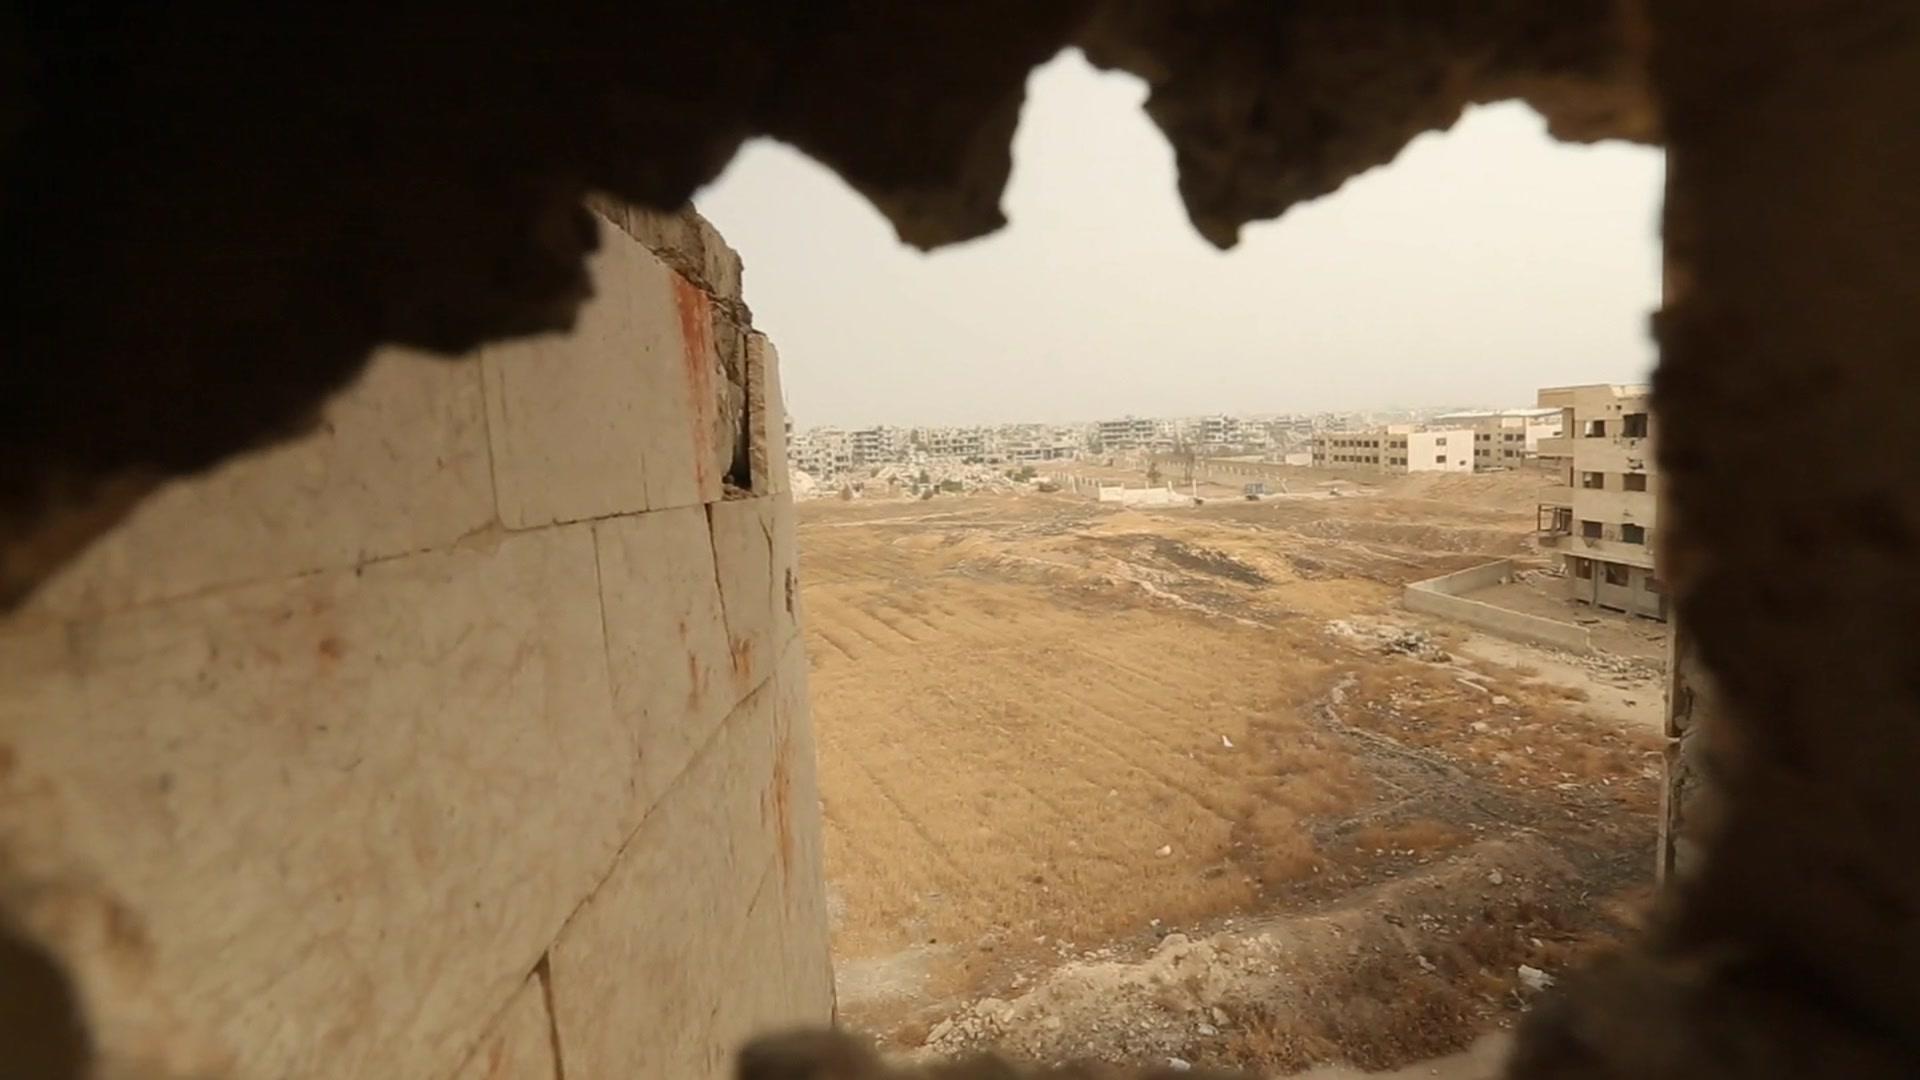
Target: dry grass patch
pixel 1041 731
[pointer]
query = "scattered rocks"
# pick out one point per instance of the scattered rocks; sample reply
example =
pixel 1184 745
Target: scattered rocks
pixel 1394 640
pixel 1621 670
pixel 1534 979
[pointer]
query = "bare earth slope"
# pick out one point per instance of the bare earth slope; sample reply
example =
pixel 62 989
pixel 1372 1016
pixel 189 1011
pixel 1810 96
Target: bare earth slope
pixel 1053 733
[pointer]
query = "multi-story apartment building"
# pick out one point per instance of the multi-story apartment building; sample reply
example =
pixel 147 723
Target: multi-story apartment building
pixel 1604 525
pixel 1213 431
pixel 1359 450
pixel 1298 425
pixel 1439 450
pixel 956 443
pixel 1504 438
pixel 878 445
pixel 1129 433
pixel 825 454
pixel 1027 452
pixel 1397 449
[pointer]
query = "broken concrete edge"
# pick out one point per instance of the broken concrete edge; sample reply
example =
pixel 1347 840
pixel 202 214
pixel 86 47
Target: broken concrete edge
pixel 696 252
pixel 686 241
pixel 908 103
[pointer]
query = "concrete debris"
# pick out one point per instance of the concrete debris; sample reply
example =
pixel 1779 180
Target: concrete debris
pixel 1165 850
pixel 1181 999
pixel 1622 670
pixel 1534 979
pixel 1393 640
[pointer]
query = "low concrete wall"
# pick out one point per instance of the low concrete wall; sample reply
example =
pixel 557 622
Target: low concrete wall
pixel 1153 496
pixel 1442 596
pixel 1230 472
pixel 467 731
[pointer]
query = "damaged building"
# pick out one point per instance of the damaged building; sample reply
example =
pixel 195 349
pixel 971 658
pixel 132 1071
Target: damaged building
pixel 1603 525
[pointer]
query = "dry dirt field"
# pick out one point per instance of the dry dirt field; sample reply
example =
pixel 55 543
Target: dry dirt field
pixel 1188 783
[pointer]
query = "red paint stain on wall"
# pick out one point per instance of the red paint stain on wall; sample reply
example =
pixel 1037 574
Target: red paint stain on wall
pixel 778 804
pixel 696 337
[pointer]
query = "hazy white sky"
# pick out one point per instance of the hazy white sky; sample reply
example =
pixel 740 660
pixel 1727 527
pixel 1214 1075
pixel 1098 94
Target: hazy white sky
pixel 1481 264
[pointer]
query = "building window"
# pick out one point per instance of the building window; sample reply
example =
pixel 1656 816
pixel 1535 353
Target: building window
pixel 1439 459
pixel 1583 568
pixel 1590 530
pixel 1441 441
pixel 1634 425
pixel 1616 573
pixel 1633 481
pixel 1596 429
pixel 1633 534
pixel 1593 481
pixel 1652 584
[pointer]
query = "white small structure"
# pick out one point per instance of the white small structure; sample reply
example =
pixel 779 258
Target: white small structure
pixel 1153 496
pixel 1450 450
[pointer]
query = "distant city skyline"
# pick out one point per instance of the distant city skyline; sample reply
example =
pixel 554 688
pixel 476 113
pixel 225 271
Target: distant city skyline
pixel 801 424
pixel 1483 264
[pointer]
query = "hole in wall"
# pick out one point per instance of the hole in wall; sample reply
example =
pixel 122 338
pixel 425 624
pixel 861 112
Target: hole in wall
pixel 1104 536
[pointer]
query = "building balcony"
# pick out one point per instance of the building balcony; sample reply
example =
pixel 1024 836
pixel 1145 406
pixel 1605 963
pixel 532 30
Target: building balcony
pixel 1553 523
pixel 1555 446
pixel 1606 550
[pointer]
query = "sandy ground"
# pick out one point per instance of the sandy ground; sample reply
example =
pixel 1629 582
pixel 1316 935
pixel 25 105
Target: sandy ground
pixel 1056 736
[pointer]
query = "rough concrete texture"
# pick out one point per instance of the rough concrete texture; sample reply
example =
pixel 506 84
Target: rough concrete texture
pixel 1792 949
pixel 204 272
pixel 1694 710
pixel 356 757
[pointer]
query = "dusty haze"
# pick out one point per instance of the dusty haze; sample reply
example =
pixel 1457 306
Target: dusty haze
pixel 1483 263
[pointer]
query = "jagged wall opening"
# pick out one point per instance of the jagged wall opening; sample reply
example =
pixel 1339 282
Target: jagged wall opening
pixel 223 213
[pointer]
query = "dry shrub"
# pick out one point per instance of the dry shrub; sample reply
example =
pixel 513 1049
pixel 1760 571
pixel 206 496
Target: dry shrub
pixel 1271 1041
pixel 1381 1009
pixel 1281 849
pixel 1381 1012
